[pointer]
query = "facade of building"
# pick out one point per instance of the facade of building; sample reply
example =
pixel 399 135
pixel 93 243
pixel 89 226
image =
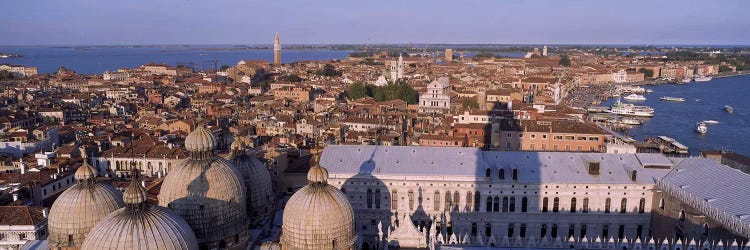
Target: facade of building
pixel 435 100
pixel 21 224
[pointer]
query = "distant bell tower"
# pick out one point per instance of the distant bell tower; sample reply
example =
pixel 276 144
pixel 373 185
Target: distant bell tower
pixel 277 50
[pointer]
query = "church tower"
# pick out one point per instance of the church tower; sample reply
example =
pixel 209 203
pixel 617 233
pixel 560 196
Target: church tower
pixel 277 50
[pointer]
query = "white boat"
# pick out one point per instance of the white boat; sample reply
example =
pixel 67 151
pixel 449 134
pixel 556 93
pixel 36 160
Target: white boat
pixel 701 128
pixel 672 99
pixel 728 108
pixel 633 89
pixel 630 121
pixel 703 78
pixel 686 80
pixel 620 108
pixel 634 97
pixel 710 122
pixel 649 91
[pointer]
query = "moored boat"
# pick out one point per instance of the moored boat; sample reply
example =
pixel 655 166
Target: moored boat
pixel 703 79
pixel 728 108
pixel 634 97
pixel 701 128
pixel 672 99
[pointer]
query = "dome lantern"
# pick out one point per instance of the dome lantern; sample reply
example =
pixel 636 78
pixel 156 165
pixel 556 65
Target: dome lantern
pixel 201 143
pixel 134 196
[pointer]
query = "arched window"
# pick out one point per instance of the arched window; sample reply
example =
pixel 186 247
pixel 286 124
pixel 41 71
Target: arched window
pixel 511 228
pixel 477 200
pixel 556 205
pixel 487 229
pixel 621 232
pixel 573 205
pixel 411 199
pixel 624 205
pixel 524 204
pixel 572 231
pixel 456 200
pixel 505 204
pixel 487 172
pixel 488 208
pixel 554 231
pixel 583 231
pixel 543 232
pixel 469 201
pixel 515 174
pixel 448 201
pixel 605 231
pixel 585 206
pixel 522 232
pixel 607 204
pixel 545 202
pixel 512 206
pixel 496 204
pixel 394 200
pixel 369 198
pixel 377 198
pixel 436 201
pixel 501 174
pixel 682 216
pixel 642 206
pixel 705 229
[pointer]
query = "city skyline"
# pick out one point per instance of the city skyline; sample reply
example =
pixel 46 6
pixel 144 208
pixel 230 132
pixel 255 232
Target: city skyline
pixel 334 22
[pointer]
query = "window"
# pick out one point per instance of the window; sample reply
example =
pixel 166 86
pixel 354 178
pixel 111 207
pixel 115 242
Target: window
pixel 394 200
pixel 682 216
pixel 512 207
pixel 524 204
pixel 522 232
pixel 448 201
pixel 488 208
pixel 543 232
pixel 505 204
pixel 469 202
pixel 477 200
pixel 573 205
pixel 436 201
pixel 511 228
pixel 520 135
pixel 624 205
pixel 70 238
pixel 488 229
pixel 642 206
pixel 456 200
pixel 556 205
pixel 661 203
pixel 583 230
pixel 411 199
pixel 369 198
pixel 474 229
pixel 515 174
pixel 607 204
pixel 572 230
pixel 377 198
pixel 545 201
pixel 554 231
pixel 621 232
pixel 639 231
pixel 501 174
pixel 585 205
pixel 487 172
pixel 496 204
pixel 605 231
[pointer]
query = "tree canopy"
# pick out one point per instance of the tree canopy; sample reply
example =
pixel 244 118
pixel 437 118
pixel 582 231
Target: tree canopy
pixel 391 91
pixel 564 60
pixel 646 72
pixel 329 70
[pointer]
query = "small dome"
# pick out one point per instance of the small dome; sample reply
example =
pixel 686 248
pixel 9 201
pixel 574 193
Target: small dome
pixel 85 171
pixel 257 179
pixel 77 210
pixel 317 175
pixel 200 140
pixel 238 145
pixel 141 226
pixel 318 216
pixel 210 195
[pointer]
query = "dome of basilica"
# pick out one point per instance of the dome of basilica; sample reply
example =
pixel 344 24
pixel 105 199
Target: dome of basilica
pixel 257 179
pixel 141 226
pixel 77 210
pixel 208 192
pixel 318 216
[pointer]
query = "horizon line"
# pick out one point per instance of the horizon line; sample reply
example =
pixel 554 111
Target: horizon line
pixel 369 44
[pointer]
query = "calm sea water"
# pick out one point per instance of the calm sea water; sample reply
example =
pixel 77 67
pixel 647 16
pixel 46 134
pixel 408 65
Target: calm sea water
pixel 95 60
pixel 705 101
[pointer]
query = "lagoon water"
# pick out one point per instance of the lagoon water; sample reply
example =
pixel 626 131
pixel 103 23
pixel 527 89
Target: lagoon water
pixel 97 59
pixel 705 101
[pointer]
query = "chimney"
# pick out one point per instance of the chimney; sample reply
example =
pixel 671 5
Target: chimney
pixel 15 196
pixel 45 212
pixel 23 168
pixel 143 183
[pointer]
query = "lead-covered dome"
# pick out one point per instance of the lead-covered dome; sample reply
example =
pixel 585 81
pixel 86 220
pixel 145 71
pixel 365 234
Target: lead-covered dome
pixel 200 140
pixel 208 192
pixel 141 226
pixel 257 180
pixel 77 210
pixel 318 216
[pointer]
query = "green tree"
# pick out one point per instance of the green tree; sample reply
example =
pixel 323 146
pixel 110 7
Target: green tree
pixel 646 72
pixel 290 78
pixel 724 68
pixel 224 67
pixel 565 61
pixel 484 55
pixel 356 91
pixel 329 70
pixel 535 56
pixel 469 103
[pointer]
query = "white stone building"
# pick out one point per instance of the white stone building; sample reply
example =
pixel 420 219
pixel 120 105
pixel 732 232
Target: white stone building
pixel 436 99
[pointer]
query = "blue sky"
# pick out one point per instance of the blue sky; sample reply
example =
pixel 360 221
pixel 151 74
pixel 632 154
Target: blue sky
pixel 92 22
